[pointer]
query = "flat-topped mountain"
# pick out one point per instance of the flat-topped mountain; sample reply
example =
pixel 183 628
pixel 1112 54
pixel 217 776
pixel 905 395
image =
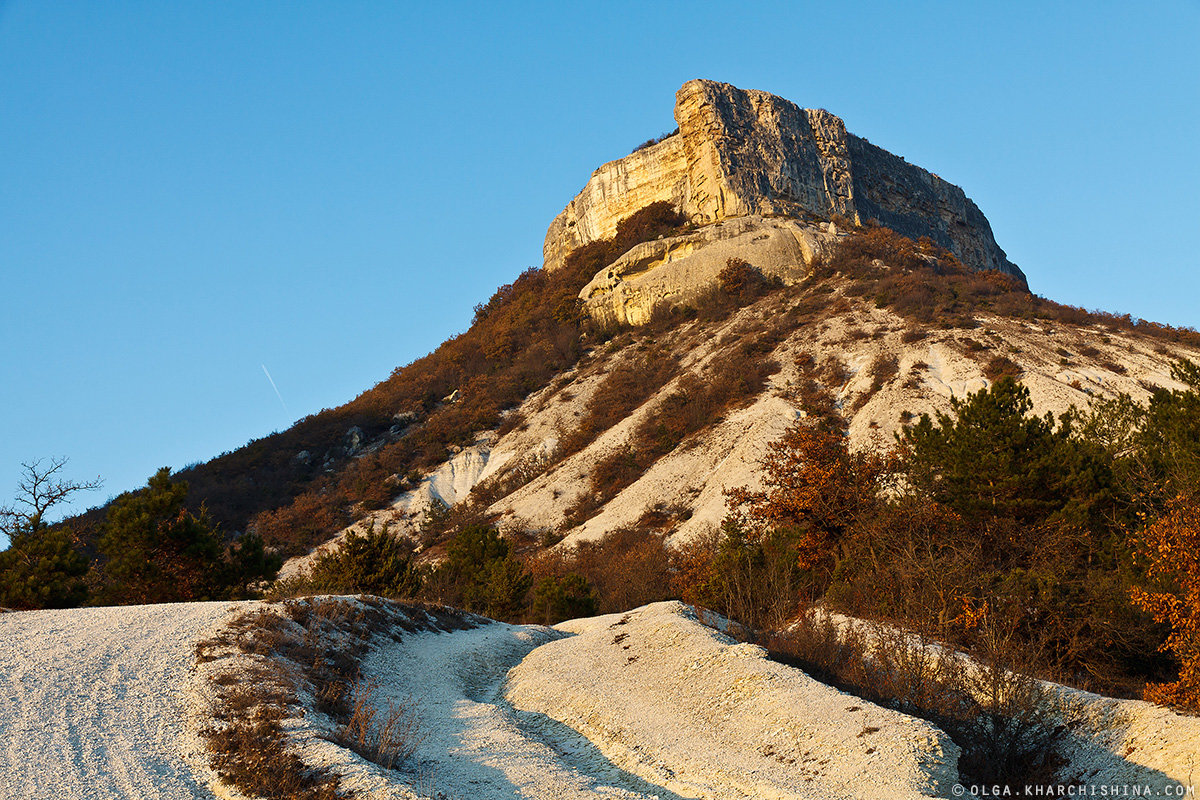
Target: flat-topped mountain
pixel 768 369
pixel 743 152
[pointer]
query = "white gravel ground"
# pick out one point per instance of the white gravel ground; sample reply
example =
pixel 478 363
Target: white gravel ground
pixel 95 703
pixel 687 708
pixel 92 704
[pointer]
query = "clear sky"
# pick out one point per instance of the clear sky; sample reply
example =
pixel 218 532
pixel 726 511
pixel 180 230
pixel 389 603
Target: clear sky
pixel 192 191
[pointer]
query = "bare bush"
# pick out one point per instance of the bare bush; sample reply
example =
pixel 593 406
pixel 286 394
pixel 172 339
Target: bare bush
pixel 883 368
pixel 627 568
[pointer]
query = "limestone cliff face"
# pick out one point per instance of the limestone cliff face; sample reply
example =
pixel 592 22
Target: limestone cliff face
pixel 675 270
pixel 616 190
pixel 741 153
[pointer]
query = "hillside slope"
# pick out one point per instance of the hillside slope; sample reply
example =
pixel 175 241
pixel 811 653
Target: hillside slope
pixel 884 369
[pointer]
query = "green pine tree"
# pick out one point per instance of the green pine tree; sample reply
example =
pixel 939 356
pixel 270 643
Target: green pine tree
pixel 994 459
pixel 42 569
pixel 157 551
pixel 483 574
pixel 374 562
pixel 568 597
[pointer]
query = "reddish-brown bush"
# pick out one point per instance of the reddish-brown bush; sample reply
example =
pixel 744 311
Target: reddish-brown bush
pixel 1171 545
pixel 628 567
pixel 1001 367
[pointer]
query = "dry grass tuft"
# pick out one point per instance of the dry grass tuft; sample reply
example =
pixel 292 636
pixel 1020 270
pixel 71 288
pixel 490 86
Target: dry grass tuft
pixel 387 736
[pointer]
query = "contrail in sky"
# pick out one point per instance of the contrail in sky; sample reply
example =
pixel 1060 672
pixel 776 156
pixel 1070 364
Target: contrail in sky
pixel 276 388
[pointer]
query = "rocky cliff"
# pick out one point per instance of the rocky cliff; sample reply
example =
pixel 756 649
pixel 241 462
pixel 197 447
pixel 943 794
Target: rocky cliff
pixel 742 152
pixel 676 270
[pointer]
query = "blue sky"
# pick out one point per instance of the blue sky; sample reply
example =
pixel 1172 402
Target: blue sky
pixel 190 191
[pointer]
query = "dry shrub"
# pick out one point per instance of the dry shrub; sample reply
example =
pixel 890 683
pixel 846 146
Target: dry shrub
pixel 306 522
pixel 249 749
pixel 738 284
pixel 754 580
pixel 739 279
pixel 973 345
pixel 626 387
pixel 502 484
pixel 882 369
pixel 1001 367
pixel 833 371
pixel 314 646
pixel 1000 718
pixel 387 736
pixel 657 139
pixel 253 756
pixel 810 391
pixel 627 568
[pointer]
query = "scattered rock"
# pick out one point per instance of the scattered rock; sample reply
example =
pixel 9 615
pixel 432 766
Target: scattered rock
pixel 354 440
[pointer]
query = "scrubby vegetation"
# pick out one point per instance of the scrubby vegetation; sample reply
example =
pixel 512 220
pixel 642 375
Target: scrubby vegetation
pixel 626 568
pixel 1001 719
pixel 1019 536
pixel 152 549
pixel 651 142
pixel 482 571
pixel 927 284
pixel 693 404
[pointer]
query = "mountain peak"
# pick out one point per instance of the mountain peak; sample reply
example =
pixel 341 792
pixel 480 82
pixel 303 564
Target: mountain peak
pixel 744 152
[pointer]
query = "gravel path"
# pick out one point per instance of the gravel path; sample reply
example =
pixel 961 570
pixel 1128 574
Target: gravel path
pixel 476 745
pixel 92 704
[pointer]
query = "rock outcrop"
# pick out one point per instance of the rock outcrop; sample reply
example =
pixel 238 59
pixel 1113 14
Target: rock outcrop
pixel 675 270
pixel 741 153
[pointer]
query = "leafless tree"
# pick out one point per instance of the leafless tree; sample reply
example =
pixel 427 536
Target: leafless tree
pixel 41 488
